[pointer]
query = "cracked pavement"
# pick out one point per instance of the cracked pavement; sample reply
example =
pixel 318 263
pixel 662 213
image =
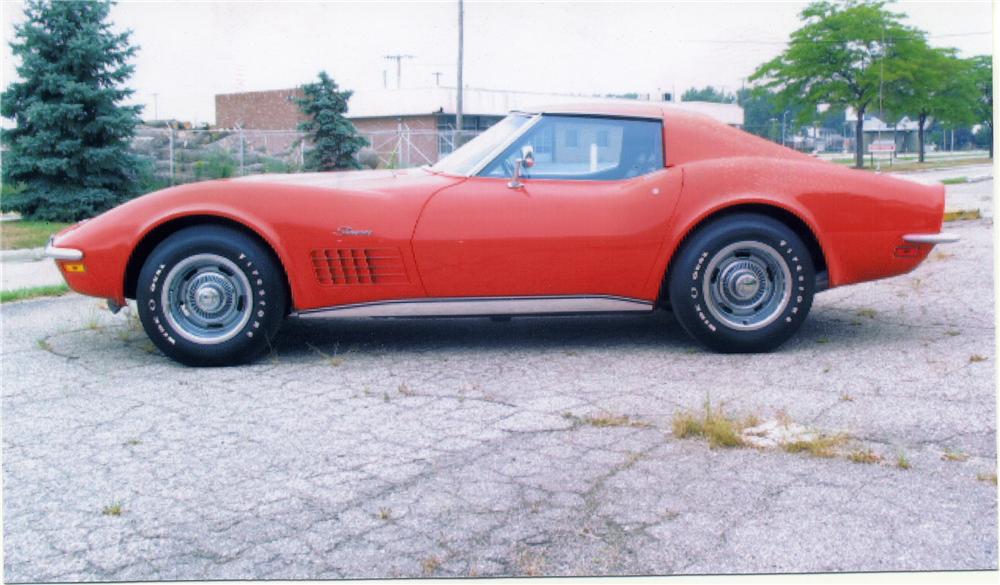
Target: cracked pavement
pixel 463 447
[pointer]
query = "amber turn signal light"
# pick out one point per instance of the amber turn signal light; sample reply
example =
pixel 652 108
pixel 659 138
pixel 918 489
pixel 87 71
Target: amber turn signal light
pixel 74 267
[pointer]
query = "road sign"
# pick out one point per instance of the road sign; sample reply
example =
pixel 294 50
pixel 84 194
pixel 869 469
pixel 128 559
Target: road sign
pixel 882 146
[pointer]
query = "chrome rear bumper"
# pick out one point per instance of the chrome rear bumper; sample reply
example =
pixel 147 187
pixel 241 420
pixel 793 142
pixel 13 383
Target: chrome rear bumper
pixel 931 238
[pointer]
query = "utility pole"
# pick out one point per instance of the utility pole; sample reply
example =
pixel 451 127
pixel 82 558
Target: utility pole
pixel 437 78
pixel 458 95
pixel 399 67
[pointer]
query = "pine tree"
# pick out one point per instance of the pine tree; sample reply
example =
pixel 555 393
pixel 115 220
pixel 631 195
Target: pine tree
pixel 69 150
pixel 335 140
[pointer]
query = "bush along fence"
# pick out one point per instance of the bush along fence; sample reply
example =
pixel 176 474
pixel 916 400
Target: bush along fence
pixel 172 156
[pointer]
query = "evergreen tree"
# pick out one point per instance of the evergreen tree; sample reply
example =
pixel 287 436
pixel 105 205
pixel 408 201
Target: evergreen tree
pixel 335 140
pixel 70 147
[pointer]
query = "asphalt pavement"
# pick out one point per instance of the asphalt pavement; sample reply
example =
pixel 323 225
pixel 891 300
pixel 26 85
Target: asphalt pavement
pixel 541 446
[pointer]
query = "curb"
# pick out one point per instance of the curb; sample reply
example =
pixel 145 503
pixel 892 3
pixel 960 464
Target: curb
pixel 25 255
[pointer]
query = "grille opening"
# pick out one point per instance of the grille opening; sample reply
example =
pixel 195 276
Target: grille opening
pixel 359 266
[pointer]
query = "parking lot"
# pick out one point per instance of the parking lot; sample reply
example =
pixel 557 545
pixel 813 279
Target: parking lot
pixel 541 446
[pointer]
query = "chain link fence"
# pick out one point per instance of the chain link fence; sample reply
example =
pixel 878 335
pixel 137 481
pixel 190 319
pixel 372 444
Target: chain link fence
pixel 172 156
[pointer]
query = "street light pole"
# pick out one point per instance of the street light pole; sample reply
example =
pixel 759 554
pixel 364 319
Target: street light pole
pixel 458 95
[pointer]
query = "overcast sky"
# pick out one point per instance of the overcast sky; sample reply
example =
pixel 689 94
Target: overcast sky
pixel 191 51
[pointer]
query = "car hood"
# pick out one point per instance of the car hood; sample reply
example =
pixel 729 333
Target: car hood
pixel 353 180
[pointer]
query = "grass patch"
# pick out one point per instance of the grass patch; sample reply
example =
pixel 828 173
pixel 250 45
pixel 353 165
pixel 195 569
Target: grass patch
pixel 988 477
pixel 913 165
pixel 902 462
pixel 21 234
pixel 112 510
pixel 864 456
pixel 822 446
pixel 950 455
pixel 954 180
pixel 33 292
pixel 713 425
pixel 962 215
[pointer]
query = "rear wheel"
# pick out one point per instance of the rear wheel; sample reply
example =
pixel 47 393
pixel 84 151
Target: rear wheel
pixel 742 283
pixel 211 296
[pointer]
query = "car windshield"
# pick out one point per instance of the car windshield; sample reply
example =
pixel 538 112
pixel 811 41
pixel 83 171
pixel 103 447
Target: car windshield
pixel 465 158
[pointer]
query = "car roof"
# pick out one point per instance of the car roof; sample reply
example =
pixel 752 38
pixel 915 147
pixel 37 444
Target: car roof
pixel 627 110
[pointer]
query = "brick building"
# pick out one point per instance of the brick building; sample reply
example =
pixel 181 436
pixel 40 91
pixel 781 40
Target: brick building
pixel 412 126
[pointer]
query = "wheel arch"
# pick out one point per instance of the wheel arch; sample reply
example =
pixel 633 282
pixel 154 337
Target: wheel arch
pixel 792 220
pixel 153 237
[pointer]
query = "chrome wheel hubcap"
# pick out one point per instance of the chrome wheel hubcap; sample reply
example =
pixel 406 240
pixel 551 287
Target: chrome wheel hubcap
pixel 206 299
pixel 747 285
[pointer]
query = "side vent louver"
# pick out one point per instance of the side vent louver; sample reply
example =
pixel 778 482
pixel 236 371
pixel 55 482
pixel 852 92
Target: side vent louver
pixel 359 266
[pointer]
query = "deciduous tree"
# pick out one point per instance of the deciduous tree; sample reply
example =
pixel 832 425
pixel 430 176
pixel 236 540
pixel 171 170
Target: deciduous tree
pixel 982 76
pixel 841 56
pixel 937 85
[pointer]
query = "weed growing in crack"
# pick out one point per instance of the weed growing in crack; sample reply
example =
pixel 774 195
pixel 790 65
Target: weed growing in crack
pixel 950 455
pixel 430 565
pixel 824 446
pixel 112 509
pixel 864 456
pixel 713 425
pixel 868 313
pixel 987 477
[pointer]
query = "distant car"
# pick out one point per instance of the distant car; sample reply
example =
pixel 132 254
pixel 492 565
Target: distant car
pixel 564 210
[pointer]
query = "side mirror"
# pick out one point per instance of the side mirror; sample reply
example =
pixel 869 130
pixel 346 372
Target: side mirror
pixel 527 161
pixel 527 156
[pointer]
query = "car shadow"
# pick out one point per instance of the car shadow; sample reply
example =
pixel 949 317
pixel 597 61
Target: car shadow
pixel 658 331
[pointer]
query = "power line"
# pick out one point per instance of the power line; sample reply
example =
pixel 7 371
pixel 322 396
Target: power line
pixel 768 42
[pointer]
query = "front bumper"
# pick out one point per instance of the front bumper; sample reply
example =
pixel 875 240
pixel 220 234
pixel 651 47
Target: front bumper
pixel 64 254
pixel 941 238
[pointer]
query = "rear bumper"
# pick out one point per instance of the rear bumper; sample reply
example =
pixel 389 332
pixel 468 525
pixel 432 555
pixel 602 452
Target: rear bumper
pixel 65 254
pixel 941 238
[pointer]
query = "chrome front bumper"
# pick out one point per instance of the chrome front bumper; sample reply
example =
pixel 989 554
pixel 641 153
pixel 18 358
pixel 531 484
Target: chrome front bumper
pixel 62 253
pixel 931 238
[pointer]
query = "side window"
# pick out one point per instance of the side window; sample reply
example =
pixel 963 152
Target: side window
pixel 585 148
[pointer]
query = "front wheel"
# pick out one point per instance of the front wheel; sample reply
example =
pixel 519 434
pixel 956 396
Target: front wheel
pixel 211 296
pixel 742 283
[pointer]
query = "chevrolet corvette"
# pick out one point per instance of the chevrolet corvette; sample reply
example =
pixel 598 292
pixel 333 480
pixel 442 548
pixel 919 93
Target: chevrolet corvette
pixel 566 210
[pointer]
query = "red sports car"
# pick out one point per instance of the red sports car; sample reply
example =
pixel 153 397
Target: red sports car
pixel 567 210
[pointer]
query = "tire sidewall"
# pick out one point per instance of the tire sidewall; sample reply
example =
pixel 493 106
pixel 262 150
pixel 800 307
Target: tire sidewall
pixel 266 294
pixel 687 279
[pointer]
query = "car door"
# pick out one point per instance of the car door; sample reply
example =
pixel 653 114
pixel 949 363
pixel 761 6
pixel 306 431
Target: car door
pixel 588 217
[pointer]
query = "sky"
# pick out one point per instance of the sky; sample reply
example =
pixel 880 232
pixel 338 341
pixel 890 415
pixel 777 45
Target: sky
pixel 190 51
